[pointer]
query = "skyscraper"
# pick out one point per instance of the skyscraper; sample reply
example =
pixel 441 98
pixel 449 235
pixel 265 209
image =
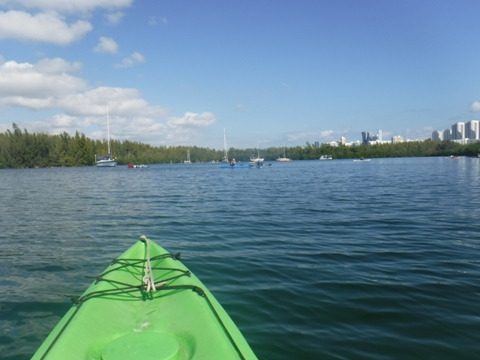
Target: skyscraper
pixel 472 130
pixel 437 136
pixel 458 131
pixel 365 137
pixel 447 134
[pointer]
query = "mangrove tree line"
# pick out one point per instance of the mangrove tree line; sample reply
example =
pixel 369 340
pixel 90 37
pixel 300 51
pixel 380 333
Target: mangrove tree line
pixel 21 149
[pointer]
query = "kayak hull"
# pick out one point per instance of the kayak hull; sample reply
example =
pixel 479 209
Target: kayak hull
pixel 180 320
pixel 235 167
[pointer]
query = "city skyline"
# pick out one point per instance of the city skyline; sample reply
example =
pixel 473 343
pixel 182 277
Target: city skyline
pixel 459 131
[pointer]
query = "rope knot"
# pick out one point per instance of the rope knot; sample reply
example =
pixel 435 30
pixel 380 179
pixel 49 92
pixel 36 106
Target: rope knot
pixel 148 279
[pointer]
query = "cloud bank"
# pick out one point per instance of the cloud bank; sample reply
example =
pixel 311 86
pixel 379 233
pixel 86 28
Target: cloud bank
pixel 45 27
pixel 46 20
pixel 68 6
pixel 52 84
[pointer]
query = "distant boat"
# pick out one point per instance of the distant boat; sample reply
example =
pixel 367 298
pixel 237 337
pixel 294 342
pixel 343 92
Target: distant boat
pixel 258 164
pixel 284 158
pixel 188 158
pixel 133 166
pixel 255 160
pixel 361 159
pixel 452 157
pixel 326 157
pixel 106 160
pixel 225 154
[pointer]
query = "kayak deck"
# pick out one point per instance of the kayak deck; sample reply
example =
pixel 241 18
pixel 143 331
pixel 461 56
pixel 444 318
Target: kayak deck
pixel 120 316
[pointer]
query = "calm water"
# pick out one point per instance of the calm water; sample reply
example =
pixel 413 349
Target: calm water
pixel 312 259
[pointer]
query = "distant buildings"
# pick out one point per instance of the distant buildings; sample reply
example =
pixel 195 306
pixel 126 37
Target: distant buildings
pixel 461 132
pixel 373 139
pixel 367 137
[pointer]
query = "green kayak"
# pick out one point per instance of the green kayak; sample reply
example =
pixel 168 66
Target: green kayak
pixel 146 305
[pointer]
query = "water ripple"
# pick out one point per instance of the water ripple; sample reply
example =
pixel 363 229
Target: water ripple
pixel 332 260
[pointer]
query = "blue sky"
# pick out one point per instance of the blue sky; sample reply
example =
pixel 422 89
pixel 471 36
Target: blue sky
pixel 272 72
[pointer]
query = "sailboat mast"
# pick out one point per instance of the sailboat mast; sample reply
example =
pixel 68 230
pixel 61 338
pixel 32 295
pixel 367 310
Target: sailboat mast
pixel 225 145
pixel 108 132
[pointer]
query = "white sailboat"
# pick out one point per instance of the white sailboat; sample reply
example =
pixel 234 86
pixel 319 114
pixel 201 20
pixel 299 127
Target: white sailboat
pixel 255 160
pixel 106 161
pixel 188 158
pixel 225 155
pixel 284 158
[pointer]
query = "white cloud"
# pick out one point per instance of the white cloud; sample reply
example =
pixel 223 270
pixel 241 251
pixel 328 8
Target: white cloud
pixel 194 120
pixel 475 106
pixel 46 27
pixel 417 134
pixel 50 84
pixel 106 45
pixel 311 136
pixel 56 66
pixel 64 121
pixel 153 21
pixel 321 136
pixel 35 86
pixel 134 59
pixel 114 18
pixel 68 6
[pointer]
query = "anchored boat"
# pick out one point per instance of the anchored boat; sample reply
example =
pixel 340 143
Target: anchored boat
pixel 106 161
pixel 146 305
pixel 284 158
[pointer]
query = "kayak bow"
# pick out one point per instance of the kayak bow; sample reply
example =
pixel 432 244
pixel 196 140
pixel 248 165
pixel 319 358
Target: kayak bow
pixel 146 305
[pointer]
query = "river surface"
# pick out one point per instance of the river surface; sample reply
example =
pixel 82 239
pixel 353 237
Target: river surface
pixel 312 259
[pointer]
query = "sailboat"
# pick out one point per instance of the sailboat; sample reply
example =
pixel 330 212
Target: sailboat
pixel 106 160
pixel 188 158
pixel 284 158
pixel 225 155
pixel 258 159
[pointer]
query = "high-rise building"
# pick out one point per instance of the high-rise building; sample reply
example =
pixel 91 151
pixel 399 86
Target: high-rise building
pixel 472 128
pixel 397 139
pixel 458 131
pixel 365 137
pixel 342 140
pixel 437 136
pixel 447 134
pixel 380 135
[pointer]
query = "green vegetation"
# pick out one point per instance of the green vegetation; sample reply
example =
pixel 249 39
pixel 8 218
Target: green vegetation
pixel 24 150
